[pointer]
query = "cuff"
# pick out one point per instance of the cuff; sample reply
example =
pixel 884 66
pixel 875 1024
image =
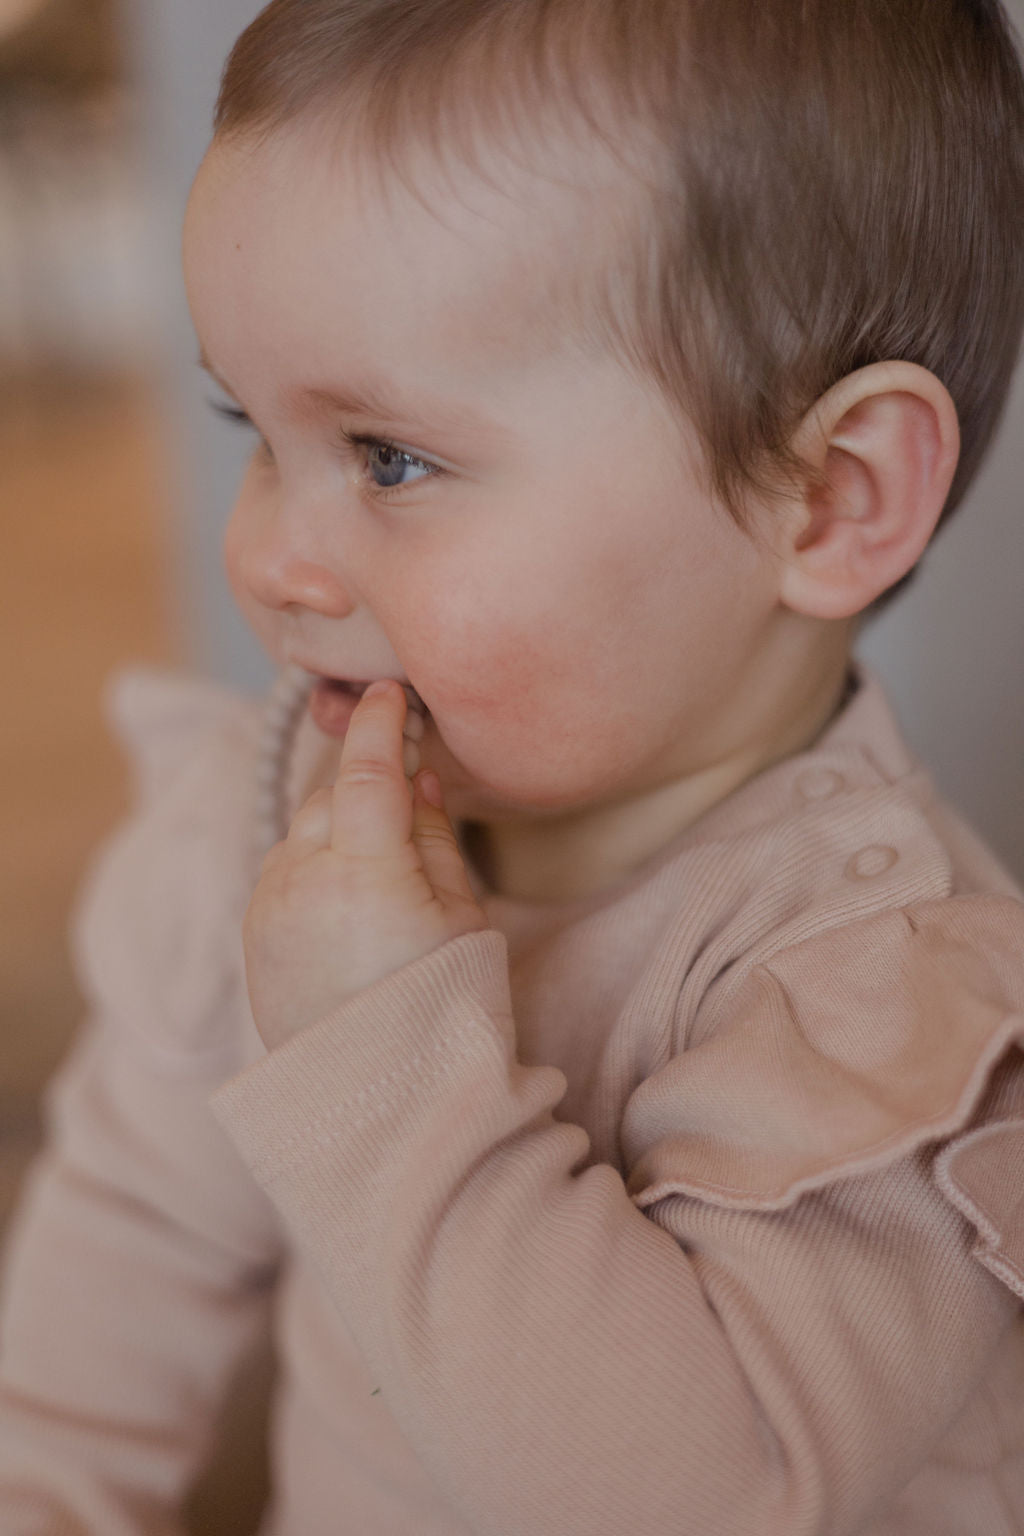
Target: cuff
pixel 378 1047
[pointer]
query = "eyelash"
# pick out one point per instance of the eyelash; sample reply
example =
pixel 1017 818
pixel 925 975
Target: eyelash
pixel 242 418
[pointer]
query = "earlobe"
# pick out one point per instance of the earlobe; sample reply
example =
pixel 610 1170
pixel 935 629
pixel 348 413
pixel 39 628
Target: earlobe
pixel 882 448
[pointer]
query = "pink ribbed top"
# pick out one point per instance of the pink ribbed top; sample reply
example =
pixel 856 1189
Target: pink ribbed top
pixel 693 1207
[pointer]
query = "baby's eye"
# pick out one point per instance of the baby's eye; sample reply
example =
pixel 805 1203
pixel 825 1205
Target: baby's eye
pixel 391 463
pixel 382 457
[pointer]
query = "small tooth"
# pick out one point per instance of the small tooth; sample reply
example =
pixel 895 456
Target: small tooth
pixel 411 758
pixel 415 727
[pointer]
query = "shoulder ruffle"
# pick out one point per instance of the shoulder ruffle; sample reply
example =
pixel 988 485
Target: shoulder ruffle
pixel 982 1174
pixel 159 716
pixel 155 929
pixel 846 1052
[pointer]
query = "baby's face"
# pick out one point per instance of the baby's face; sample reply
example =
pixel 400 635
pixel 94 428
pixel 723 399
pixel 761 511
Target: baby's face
pixel 540 560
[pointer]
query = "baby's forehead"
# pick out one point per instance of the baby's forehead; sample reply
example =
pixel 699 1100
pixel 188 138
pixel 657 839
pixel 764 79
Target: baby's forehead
pixel 534 230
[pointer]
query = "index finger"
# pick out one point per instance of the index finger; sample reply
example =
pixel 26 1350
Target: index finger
pixel 371 805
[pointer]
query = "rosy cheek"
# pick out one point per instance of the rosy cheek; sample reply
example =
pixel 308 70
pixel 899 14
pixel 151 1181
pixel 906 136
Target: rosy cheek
pixel 483 674
pixel 495 715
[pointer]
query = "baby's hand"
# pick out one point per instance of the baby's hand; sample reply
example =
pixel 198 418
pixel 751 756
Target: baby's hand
pixel 369 879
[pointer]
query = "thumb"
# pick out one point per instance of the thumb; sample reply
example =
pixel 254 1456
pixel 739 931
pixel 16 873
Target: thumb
pixel 434 837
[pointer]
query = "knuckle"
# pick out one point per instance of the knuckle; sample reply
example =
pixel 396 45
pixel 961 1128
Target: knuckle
pixel 437 837
pixel 365 772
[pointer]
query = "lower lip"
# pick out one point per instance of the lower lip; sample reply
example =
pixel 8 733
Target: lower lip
pixel 332 708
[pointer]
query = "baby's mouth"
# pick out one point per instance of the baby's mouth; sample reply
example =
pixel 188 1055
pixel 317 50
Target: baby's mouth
pixel 357 689
pixel 333 702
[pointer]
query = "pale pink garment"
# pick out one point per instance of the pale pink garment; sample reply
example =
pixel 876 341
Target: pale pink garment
pixel 694 1207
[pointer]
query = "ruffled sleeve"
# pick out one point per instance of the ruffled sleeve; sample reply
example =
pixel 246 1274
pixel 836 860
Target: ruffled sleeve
pixel 982 1173
pixel 768 1321
pixel 845 1053
pixel 140 1262
pixel 156 927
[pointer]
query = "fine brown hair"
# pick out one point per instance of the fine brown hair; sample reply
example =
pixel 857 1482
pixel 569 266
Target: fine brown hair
pixel 836 182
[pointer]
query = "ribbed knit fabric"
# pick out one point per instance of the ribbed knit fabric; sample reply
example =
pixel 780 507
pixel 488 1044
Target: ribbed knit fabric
pixel 696 1206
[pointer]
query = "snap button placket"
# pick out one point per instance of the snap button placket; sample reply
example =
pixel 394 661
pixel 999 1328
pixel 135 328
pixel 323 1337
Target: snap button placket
pixel 820 783
pixel 869 863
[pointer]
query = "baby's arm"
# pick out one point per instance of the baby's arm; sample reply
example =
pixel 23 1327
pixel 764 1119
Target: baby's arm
pixel 563 1363
pixel 137 1270
pixel 133 1286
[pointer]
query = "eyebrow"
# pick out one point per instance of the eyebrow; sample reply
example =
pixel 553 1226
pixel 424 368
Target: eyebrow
pixel 382 404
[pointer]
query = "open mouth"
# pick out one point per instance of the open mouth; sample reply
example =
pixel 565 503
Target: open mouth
pixel 357 689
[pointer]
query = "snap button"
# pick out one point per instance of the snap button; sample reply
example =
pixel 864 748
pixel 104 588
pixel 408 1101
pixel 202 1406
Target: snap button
pixel 820 783
pixel 869 863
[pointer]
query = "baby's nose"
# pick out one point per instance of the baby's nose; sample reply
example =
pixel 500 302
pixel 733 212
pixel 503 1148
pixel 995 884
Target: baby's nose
pixel 280 583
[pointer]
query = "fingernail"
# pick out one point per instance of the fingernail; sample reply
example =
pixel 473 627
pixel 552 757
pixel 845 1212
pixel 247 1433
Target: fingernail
pixel 375 689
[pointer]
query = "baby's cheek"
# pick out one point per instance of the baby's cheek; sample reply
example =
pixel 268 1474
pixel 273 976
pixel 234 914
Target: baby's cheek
pixel 533 739
pixel 493 675
pixel 507 668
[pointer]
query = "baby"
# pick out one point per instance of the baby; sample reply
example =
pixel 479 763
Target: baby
pixel 605 1068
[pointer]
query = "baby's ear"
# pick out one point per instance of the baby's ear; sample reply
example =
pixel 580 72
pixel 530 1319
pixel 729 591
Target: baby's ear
pixel 883 447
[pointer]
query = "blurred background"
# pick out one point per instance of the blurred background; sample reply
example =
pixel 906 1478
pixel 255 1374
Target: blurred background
pixel 116 481
pixel 113 490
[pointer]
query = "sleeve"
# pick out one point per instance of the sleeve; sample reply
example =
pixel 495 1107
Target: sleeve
pixel 140 1261
pixel 762 1330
